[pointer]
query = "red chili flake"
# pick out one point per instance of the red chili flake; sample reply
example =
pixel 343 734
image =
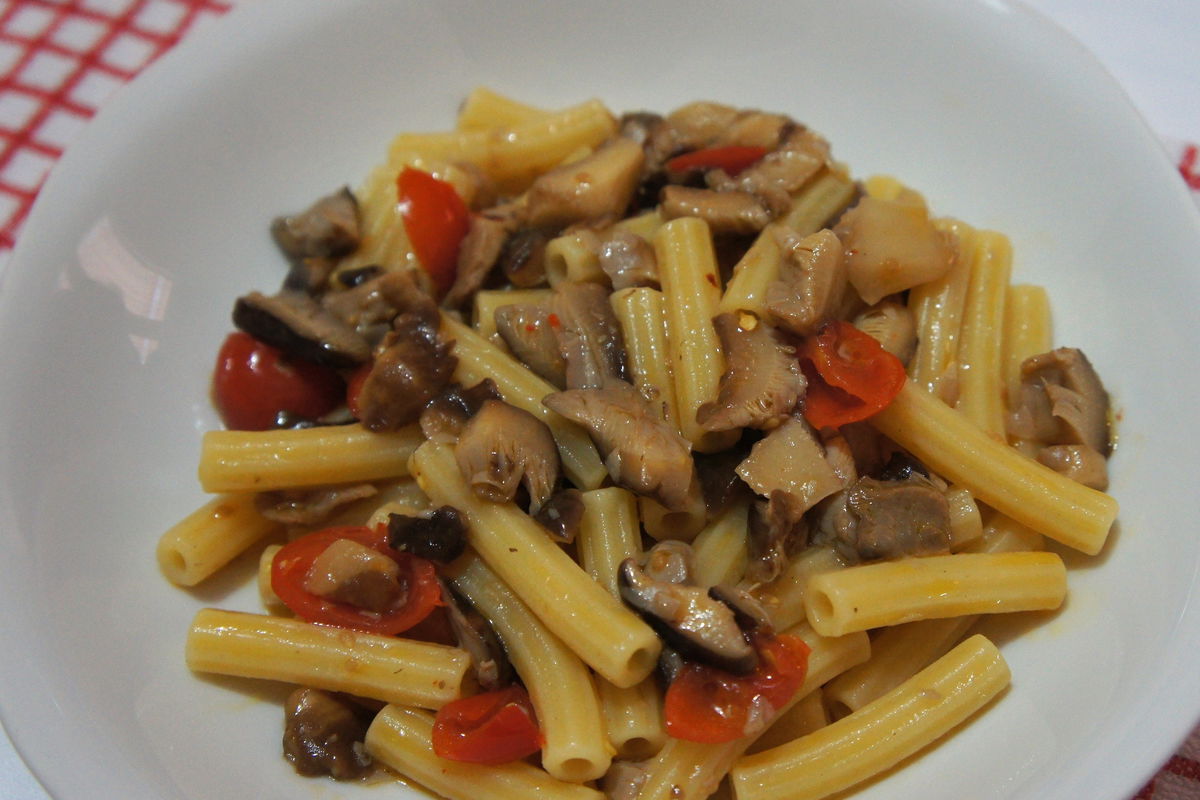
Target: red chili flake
pixel 712 279
pixel 554 321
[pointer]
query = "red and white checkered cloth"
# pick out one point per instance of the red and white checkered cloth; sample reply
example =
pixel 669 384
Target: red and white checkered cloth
pixel 60 60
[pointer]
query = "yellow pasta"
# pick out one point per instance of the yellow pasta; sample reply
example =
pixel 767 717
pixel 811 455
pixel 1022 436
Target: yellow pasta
pixel 385 668
pixel 402 738
pixel 573 257
pixel 484 109
pixel 601 631
pixel 260 461
pixel 880 735
pixel 486 303
pixel 721 548
pixel 576 746
pixel 691 286
pixel 641 315
pixel 1028 331
pixel 937 308
pixel 981 390
pixel 893 592
pixel 266 594
pixel 784 597
pixel 210 537
pixel 996 474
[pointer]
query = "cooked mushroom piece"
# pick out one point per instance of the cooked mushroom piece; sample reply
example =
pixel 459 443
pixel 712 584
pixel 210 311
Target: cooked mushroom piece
pixel 1078 462
pixel 323 735
pixel 523 258
pixel 750 615
pixel 502 447
pixel 624 780
pixel 642 453
pixel 309 506
pixel 352 573
pixel 562 515
pixel 297 325
pixel 413 368
pixel 599 186
pixel 790 459
pixel 719 481
pixel 371 305
pixel 1063 401
pixel 478 253
pixel 473 634
pixel 892 325
pixel 811 283
pixel 589 336
pixel 443 419
pixel 530 336
pixel 762 381
pixel 314 239
pixel 777 530
pixel 730 212
pixel 781 172
pixel 895 518
pixel 628 260
pixel 440 536
pixel 698 626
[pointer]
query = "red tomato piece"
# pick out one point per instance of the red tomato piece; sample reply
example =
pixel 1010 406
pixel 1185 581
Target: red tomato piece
pixel 289 571
pixel 488 728
pixel 436 220
pixel 705 704
pixel 731 158
pixel 850 376
pixel 253 382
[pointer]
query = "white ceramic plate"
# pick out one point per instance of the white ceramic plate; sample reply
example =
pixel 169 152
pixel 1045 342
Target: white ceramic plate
pixel 118 295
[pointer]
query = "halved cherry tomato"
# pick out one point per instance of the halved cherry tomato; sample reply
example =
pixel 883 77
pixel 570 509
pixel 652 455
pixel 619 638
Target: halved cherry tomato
pixel 850 375
pixel 289 571
pixel 253 382
pixel 436 220
pixel 489 728
pixel 732 158
pixel 705 704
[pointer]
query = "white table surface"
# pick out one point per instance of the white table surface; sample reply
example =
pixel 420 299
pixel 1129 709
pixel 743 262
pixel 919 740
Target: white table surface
pixel 1152 47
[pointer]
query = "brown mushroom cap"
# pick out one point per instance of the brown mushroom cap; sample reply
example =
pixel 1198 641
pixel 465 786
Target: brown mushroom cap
pixel 762 381
pixel 413 368
pixel 1063 384
pixel 642 453
pixel 296 324
pixel 502 447
pixel 589 336
pixel 596 187
pixel 732 212
pixel 700 627
pixel 323 735
pixel 811 283
pixel 440 536
pixel 527 331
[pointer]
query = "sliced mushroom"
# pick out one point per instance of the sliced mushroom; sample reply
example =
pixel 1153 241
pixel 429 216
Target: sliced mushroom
pixel 413 368
pixel 443 419
pixel 323 735
pixel 642 453
pixel 811 283
pixel 597 187
pixel 372 304
pixel 1078 462
pixel 733 212
pixel 780 173
pixel 352 573
pixel 299 326
pixel 754 128
pixel 893 326
pixel 440 536
pixel 314 239
pixel 750 614
pixel 502 447
pixel 530 336
pixel 891 246
pixel 762 381
pixel 562 515
pixel 478 253
pixel 588 334
pixel 777 530
pixel 698 124
pixel 624 780
pixel 719 481
pixel 1063 401
pixel 309 506
pixel 896 518
pixel 473 634
pixel 699 627
pixel 628 260
pixel 523 259
pixel 790 459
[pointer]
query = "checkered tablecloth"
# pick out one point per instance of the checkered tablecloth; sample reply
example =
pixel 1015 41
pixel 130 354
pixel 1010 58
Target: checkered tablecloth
pixel 61 59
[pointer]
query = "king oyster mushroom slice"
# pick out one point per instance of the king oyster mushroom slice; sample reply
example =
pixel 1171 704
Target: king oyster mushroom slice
pixel 323 735
pixel 589 336
pixel 811 283
pixel 731 212
pixel 297 325
pixel 599 186
pixel 642 453
pixel 628 260
pixel 370 306
pixel 313 240
pixel 762 381
pixel 527 331
pixel 700 627
pixel 1078 462
pixel 503 446
pixel 412 368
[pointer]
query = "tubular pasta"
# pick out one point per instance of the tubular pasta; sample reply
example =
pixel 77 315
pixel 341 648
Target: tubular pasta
pixel 210 537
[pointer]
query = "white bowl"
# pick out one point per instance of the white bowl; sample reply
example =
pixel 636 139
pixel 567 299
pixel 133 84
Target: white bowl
pixel 118 296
